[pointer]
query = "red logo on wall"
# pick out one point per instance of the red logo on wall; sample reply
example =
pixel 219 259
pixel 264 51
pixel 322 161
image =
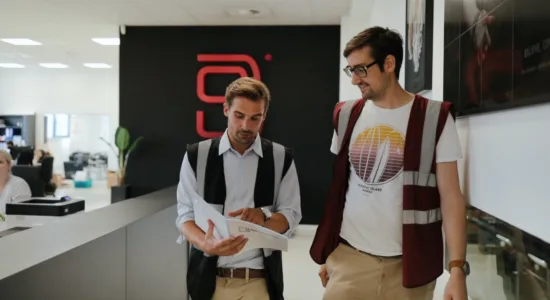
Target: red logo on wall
pixel 216 69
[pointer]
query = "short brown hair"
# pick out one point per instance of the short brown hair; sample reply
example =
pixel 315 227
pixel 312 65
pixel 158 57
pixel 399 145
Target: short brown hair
pixel 249 88
pixel 382 42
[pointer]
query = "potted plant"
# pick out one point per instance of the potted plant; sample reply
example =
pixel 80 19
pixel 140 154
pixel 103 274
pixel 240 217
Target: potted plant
pixel 121 191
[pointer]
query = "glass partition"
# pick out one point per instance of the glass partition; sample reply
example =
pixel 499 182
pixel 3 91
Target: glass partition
pixel 506 262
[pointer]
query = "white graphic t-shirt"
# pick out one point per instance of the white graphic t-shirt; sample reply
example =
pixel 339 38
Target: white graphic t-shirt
pixel 373 212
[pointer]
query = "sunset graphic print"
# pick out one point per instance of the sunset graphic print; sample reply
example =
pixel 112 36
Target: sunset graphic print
pixel 377 154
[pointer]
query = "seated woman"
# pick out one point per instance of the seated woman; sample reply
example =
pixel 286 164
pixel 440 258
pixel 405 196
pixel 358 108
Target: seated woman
pixel 39 156
pixel 12 188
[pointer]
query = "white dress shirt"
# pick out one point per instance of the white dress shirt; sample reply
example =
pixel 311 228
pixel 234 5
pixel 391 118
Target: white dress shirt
pixel 240 178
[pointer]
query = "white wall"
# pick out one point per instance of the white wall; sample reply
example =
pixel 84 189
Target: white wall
pixel 69 91
pixel 364 14
pixel 505 166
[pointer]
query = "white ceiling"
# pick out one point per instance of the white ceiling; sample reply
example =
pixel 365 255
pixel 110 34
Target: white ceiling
pixel 65 27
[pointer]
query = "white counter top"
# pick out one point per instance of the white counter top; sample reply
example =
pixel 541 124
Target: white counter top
pixel 52 236
pixel 25 221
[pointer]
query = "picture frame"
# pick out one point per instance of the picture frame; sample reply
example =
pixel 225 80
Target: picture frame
pixel 418 54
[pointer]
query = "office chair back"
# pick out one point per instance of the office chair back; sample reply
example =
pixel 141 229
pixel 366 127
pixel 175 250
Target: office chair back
pixel 47 169
pixel 25 157
pixel 33 177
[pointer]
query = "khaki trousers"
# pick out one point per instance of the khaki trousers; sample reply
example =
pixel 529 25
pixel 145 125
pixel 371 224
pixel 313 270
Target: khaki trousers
pixel 356 275
pixel 240 289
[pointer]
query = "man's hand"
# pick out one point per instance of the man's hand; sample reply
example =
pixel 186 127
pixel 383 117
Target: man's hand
pixel 225 247
pixel 456 286
pixel 324 275
pixel 253 215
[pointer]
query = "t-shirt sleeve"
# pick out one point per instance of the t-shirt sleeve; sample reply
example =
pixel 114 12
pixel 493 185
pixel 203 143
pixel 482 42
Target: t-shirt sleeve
pixel 448 148
pixel 334 144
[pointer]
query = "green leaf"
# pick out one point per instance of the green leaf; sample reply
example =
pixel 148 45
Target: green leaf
pixel 122 138
pixel 134 144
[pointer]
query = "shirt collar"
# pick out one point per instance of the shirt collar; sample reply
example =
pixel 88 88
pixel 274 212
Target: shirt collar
pixel 225 145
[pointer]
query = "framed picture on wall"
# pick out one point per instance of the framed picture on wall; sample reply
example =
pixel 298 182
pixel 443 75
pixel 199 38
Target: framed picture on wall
pixel 419 45
pixel 497 54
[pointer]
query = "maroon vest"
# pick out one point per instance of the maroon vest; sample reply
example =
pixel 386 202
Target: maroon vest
pixel 422 222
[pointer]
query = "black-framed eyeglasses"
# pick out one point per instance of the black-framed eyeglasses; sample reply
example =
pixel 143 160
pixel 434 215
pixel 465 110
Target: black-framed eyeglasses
pixel 360 71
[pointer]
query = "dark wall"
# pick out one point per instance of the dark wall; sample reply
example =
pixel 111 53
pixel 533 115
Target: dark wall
pixel 160 98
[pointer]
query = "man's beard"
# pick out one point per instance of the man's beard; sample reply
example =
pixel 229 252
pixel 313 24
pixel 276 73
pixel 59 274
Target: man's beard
pixel 245 136
pixel 368 94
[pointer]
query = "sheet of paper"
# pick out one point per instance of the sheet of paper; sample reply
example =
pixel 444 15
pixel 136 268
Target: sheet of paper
pixel 258 236
pixel 205 212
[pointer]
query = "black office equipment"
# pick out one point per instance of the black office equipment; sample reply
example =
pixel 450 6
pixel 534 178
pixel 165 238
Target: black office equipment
pixel 46 207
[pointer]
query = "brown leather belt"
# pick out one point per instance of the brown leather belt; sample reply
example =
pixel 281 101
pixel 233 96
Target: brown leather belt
pixel 243 273
pixel 343 241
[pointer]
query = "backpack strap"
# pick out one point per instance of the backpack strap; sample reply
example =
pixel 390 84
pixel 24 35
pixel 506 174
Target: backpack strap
pixel 341 117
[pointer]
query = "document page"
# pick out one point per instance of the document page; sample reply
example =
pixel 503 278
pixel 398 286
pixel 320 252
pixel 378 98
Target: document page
pixel 204 212
pixel 258 236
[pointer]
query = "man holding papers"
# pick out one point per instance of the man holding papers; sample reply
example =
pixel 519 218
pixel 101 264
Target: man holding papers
pixel 234 178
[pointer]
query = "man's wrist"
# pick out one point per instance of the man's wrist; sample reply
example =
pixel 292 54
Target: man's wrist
pixel 457 272
pixel 200 244
pixel 459 267
pixel 266 213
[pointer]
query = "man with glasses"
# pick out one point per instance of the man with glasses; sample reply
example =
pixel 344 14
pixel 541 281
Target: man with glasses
pixel 395 186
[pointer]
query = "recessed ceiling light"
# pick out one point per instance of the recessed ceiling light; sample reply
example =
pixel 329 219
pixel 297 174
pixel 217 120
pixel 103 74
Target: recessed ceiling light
pixel 97 66
pixel 107 41
pixel 248 12
pixel 11 66
pixel 54 66
pixel 21 42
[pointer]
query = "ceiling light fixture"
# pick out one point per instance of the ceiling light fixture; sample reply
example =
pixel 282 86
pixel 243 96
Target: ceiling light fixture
pixel 107 41
pixel 248 12
pixel 21 42
pixel 11 66
pixel 97 66
pixel 53 65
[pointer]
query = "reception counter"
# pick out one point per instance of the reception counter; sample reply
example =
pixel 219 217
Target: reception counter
pixel 125 250
pixel 14 222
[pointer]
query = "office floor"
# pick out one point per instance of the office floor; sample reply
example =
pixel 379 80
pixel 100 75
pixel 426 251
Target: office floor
pixel 483 282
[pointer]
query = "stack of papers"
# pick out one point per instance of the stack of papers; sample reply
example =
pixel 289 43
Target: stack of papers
pixel 258 236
